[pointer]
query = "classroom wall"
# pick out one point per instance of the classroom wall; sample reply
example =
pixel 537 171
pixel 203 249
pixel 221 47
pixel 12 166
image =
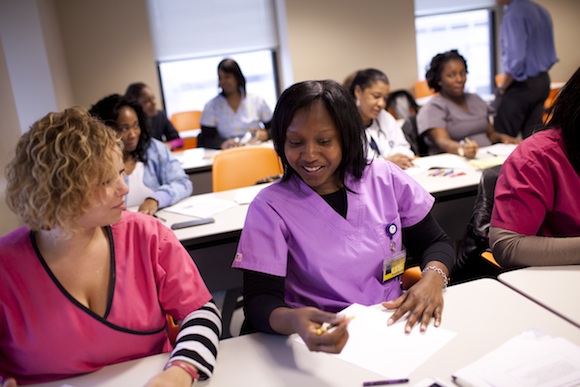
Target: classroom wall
pixel 10 131
pixel 565 15
pixel 108 46
pixel 333 38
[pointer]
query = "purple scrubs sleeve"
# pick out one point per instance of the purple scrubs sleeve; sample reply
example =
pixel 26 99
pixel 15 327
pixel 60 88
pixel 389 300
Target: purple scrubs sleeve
pixel 330 262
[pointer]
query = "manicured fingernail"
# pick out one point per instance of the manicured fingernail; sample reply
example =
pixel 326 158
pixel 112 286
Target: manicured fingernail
pixel 390 322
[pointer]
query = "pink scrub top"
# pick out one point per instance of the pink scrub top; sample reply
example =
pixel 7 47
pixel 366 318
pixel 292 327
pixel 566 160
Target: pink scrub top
pixel 45 334
pixel 330 262
pixel 537 191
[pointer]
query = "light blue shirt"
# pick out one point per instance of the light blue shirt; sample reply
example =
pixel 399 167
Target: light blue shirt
pixel 165 176
pixel 218 113
pixel 527 40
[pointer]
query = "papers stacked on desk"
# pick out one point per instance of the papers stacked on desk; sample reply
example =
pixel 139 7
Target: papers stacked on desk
pixel 201 206
pixel 531 359
pixel 388 350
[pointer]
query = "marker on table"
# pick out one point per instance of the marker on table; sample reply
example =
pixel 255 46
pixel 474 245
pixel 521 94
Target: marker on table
pixel 385 382
pixel 160 218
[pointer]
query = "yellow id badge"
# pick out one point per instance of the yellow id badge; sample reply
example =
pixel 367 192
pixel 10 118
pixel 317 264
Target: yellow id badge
pixel 394 265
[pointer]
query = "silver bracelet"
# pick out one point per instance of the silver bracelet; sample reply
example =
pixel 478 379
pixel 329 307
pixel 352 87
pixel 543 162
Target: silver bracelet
pixel 441 273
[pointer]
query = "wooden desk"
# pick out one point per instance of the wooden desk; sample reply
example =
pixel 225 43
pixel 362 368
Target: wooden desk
pixel 484 314
pixel 554 287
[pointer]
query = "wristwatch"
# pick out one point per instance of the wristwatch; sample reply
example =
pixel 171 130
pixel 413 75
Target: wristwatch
pixel 461 151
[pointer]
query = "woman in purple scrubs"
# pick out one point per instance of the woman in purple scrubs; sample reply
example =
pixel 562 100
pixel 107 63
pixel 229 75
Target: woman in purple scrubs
pixel 337 228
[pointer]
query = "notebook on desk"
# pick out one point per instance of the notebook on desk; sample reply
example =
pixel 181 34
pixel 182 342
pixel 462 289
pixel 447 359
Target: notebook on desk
pixel 531 359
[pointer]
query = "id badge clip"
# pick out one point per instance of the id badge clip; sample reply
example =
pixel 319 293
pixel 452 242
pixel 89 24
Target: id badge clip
pixel 394 264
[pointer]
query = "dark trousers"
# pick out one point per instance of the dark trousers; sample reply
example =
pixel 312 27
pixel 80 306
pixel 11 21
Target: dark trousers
pixel 520 108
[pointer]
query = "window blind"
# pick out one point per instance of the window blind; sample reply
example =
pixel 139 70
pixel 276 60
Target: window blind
pixel 199 28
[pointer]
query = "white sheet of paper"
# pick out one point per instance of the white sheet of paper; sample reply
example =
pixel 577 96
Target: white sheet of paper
pixel 201 206
pixel 247 194
pixel 531 359
pixel 388 350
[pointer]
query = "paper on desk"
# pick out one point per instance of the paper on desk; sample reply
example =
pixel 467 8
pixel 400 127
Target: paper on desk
pixel 387 350
pixel 498 149
pixel 531 359
pixel 247 194
pixel 201 206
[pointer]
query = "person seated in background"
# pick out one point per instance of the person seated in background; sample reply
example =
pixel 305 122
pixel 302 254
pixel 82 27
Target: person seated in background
pixel 454 121
pixel 230 115
pixel 331 232
pixel 85 283
pixel 536 212
pixel 161 128
pixel 370 88
pixel 155 177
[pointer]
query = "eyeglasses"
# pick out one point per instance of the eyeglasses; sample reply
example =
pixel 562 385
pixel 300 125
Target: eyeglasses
pixel 125 128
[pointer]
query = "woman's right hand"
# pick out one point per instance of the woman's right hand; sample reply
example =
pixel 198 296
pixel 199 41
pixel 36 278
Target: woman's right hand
pixel 470 149
pixel 307 322
pixel 8 382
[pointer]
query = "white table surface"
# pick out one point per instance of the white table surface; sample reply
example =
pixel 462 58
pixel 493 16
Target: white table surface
pixel 555 287
pixel 484 313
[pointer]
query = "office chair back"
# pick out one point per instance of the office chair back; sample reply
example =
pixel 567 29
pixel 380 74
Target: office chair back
pixel 244 166
pixel 475 248
pixel 184 121
pixel 422 89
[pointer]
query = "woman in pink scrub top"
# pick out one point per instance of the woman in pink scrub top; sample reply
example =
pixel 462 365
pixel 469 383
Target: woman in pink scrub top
pixel 85 283
pixel 331 232
pixel 536 211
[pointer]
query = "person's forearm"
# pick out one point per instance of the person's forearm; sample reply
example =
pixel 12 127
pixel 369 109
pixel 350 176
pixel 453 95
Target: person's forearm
pixel 281 321
pixel 511 249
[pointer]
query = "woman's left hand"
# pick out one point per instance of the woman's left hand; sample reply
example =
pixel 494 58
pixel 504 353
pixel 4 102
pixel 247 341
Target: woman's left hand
pixel 401 160
pixel 423 301
pixel 505 139
pixel 171 377
pixel 149 206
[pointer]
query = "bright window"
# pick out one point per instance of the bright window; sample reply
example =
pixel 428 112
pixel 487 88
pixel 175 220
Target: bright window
pixel 468 32
pixel 190 83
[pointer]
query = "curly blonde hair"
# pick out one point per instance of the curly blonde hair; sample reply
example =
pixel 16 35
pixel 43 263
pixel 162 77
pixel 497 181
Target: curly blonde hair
pixel 58 163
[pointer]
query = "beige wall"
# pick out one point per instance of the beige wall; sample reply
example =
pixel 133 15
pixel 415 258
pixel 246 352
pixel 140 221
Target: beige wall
pixel 565 15
pixel 108 46
pixel 333 38
pixel 10 132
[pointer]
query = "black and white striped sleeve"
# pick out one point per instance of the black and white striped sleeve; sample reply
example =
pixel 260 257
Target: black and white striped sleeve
pixel 197 342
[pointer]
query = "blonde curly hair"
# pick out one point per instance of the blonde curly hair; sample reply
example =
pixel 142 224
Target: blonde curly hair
pixel 58 163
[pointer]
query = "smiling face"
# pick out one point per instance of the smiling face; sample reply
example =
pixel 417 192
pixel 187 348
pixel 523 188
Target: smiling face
pixel 453 77
pixel 313 148
pixel 128 128
pixel 107 201
pixel 372 100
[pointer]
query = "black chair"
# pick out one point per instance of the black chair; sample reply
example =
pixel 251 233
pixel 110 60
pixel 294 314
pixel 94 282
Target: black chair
pixel 472 262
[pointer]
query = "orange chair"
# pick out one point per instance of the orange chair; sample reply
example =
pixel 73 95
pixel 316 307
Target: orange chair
pixel 172 329
pixel 244 166
pixel 422 89
pixel 187 120
pixel 410 277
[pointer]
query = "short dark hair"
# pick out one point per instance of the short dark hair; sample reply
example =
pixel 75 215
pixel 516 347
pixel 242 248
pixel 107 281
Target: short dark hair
pixel 365 78
pixel 566 115
pixel 134 90
pixel 230 66
pixel 433 75
pixel 340 106
pixel 107 110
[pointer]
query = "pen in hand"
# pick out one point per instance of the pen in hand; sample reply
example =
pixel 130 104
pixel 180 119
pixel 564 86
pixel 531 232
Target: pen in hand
pixel 326 327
